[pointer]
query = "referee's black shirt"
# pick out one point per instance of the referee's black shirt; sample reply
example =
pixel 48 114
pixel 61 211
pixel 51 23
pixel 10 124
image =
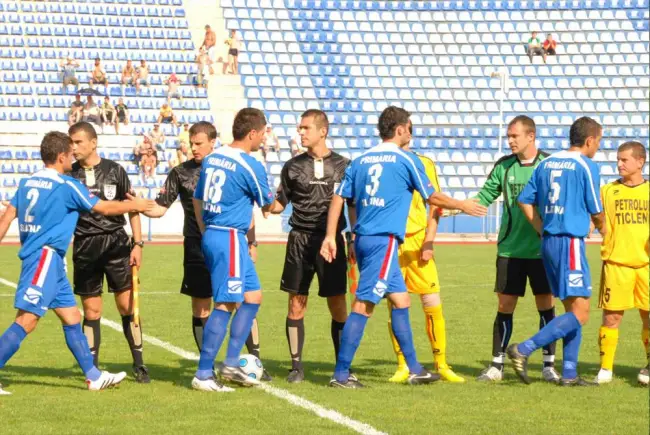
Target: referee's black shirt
pixel 182 181
pixel 309 183
pixel 108 181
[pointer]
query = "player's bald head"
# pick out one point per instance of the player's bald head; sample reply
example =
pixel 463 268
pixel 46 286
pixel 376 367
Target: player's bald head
pixel 638 150
pixel 53 144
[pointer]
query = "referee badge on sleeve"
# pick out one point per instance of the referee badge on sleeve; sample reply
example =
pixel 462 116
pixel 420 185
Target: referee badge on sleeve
pixel 110 190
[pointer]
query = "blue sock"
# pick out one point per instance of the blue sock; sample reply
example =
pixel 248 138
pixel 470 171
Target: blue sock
pixel 350 339
pixel 557 328
pixel 78 345
pixel 10 342
pixel 571 349
pixel 399 318
pixel 214 332
pixel 240 329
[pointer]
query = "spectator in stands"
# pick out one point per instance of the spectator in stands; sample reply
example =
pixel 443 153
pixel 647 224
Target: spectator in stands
pixel 141 148
pixel 128 74
pixel 148 164
pixel 92 113
pixel 107 113
pixel 75 114
pixel 141 75
pixel 270 141
pixel 209 42
pixel 157 136
pixel 183 144
pixel 204 66
pixel 69 66
pixel 167 115
pixel 295 143
pixel 98 75
pixel 549 45
pixel 173 87
pixel 233 52
pixel 535 48
pixel 122 115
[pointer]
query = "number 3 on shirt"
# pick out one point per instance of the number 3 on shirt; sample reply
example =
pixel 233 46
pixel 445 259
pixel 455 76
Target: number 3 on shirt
pixel 374 173
pixel 213 189
pixel 554 194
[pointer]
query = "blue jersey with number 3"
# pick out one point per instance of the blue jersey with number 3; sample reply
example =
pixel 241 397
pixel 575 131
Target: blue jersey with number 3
pixel 47 206
pixel 231 181
pixel 381 182
pixel 565 188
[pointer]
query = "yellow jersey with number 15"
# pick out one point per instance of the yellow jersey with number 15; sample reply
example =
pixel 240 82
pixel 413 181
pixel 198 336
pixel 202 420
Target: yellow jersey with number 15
pixel 417 219
pixel 626 218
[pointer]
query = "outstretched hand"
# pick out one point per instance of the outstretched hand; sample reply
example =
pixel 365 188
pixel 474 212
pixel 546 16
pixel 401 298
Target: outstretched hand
pixel 473 207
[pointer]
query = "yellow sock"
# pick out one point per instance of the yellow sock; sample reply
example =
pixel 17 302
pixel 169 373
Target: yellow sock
pixel 607 340
pixel 401 362
pixel 645 336
pixel 435 324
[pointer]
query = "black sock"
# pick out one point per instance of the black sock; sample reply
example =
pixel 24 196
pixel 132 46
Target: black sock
pixel 501 333
pixel 336 330
pixel 548 351
pixel 296 338
pixel 93 334
pixel 198 323
pixel 133 334
pixel 253 340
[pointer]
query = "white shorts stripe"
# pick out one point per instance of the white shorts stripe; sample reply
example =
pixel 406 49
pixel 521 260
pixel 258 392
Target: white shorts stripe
pixel 46 266
pixel 576 254
pixel 391 252
pixel 235 241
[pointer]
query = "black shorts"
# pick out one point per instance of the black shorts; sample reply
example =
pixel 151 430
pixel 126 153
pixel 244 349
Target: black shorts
pixel 303 260
pixel 196 276
pixel 513 272
pixel 233 52
pixel 99 255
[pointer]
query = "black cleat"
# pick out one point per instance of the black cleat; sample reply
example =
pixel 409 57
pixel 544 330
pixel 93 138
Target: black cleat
pixel 266 377
pixel 519 363
pixel 422 378
pixel 141 374
pixel 296 376
pixel 576 382
pixel 349 384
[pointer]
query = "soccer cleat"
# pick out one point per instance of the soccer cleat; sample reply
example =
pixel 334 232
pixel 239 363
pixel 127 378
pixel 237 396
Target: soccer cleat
pixel 237 375
pixel 576 382
pixel 447 374
pixel 105 380
pixel 296 376
pixel 349 384
pixel 519 363
pixel 400 376
pixel 490 374
pixel 210 384
pixel 3 392
pixel 603 377
pixel 141 374
pixel 643 377
pixel 266 377
pixel 352 376
pixel 550 375
pixel 422 378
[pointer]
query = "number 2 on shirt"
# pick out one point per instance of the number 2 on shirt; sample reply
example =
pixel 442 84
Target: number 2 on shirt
pixel 374 173
pixel 213 189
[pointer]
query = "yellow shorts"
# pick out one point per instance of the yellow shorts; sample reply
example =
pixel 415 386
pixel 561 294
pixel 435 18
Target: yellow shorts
pixel 420 277
pixel 623 288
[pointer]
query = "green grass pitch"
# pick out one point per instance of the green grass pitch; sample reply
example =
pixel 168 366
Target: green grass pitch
pixel 50 396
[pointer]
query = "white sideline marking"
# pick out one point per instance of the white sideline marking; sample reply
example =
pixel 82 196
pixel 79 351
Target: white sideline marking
pixel 328 414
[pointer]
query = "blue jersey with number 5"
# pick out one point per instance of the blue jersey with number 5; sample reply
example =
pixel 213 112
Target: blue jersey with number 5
pixel 47 206
pixel 231 181
pixel 381 182
pixel 565 187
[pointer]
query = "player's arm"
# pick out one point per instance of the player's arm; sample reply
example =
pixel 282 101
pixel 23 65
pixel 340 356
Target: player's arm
pixel 116 208
pixel 467 206
pixel 593 199
pixel 252 241
pixel 328 248
pixel 283 194
pixel 198 213
pixel 5 221
pixel 492 188
pixel 433 219
pixel 598 220
pixel 532 216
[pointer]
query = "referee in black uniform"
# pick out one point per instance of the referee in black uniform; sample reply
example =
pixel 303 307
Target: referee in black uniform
pixel 181 181
pixel 102 247
pixel 307 182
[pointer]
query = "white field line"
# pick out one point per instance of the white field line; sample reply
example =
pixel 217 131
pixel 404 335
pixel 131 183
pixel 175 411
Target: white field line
pixel 328 414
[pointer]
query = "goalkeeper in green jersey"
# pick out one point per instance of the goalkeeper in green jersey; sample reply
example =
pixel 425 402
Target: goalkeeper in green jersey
pixel 518 247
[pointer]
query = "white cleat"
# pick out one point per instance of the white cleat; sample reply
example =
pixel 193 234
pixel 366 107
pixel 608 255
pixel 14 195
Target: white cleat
pixel 603 377
pixel 4 392
pixel 490 374
pixel 550 375
pixel 643 377
pixel 211 385
pixel 106 380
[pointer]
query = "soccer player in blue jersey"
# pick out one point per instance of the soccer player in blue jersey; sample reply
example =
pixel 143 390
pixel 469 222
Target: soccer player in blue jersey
pixel 559 200
pixel 381 182
pixel 231 182
pixel 47 205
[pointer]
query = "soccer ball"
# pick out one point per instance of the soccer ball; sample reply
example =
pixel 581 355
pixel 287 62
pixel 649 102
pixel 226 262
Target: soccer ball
pixel 251 365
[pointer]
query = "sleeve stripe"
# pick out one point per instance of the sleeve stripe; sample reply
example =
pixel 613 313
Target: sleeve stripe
pixel 415 168
pixel 591 182
pixel 80 194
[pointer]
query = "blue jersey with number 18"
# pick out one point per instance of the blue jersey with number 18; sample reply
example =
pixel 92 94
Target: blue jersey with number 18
pixel 381 182
pixel 564 187
pixel 231 181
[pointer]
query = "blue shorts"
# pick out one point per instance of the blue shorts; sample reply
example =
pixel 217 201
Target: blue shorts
pixel 232 271
pixel 379 271
pixel 566 265
pixel 43 283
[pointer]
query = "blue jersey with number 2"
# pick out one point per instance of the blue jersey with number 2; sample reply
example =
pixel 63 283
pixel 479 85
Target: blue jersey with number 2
pixel 565 187
pixel 231 181
pixel 381 182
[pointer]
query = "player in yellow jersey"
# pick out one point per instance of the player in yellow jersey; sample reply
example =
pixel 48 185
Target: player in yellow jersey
pixel 421 277
pixel 625 250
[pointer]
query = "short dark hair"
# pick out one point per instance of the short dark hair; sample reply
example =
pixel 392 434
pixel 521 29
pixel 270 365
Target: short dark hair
pixel 53 144
pixel 96 59
pixel 86 127
pixel 526 121
pixel 204 127
pixel 638 150
pixel 246 120
pixel 581 129
pixel 320 118
pixel 390 119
